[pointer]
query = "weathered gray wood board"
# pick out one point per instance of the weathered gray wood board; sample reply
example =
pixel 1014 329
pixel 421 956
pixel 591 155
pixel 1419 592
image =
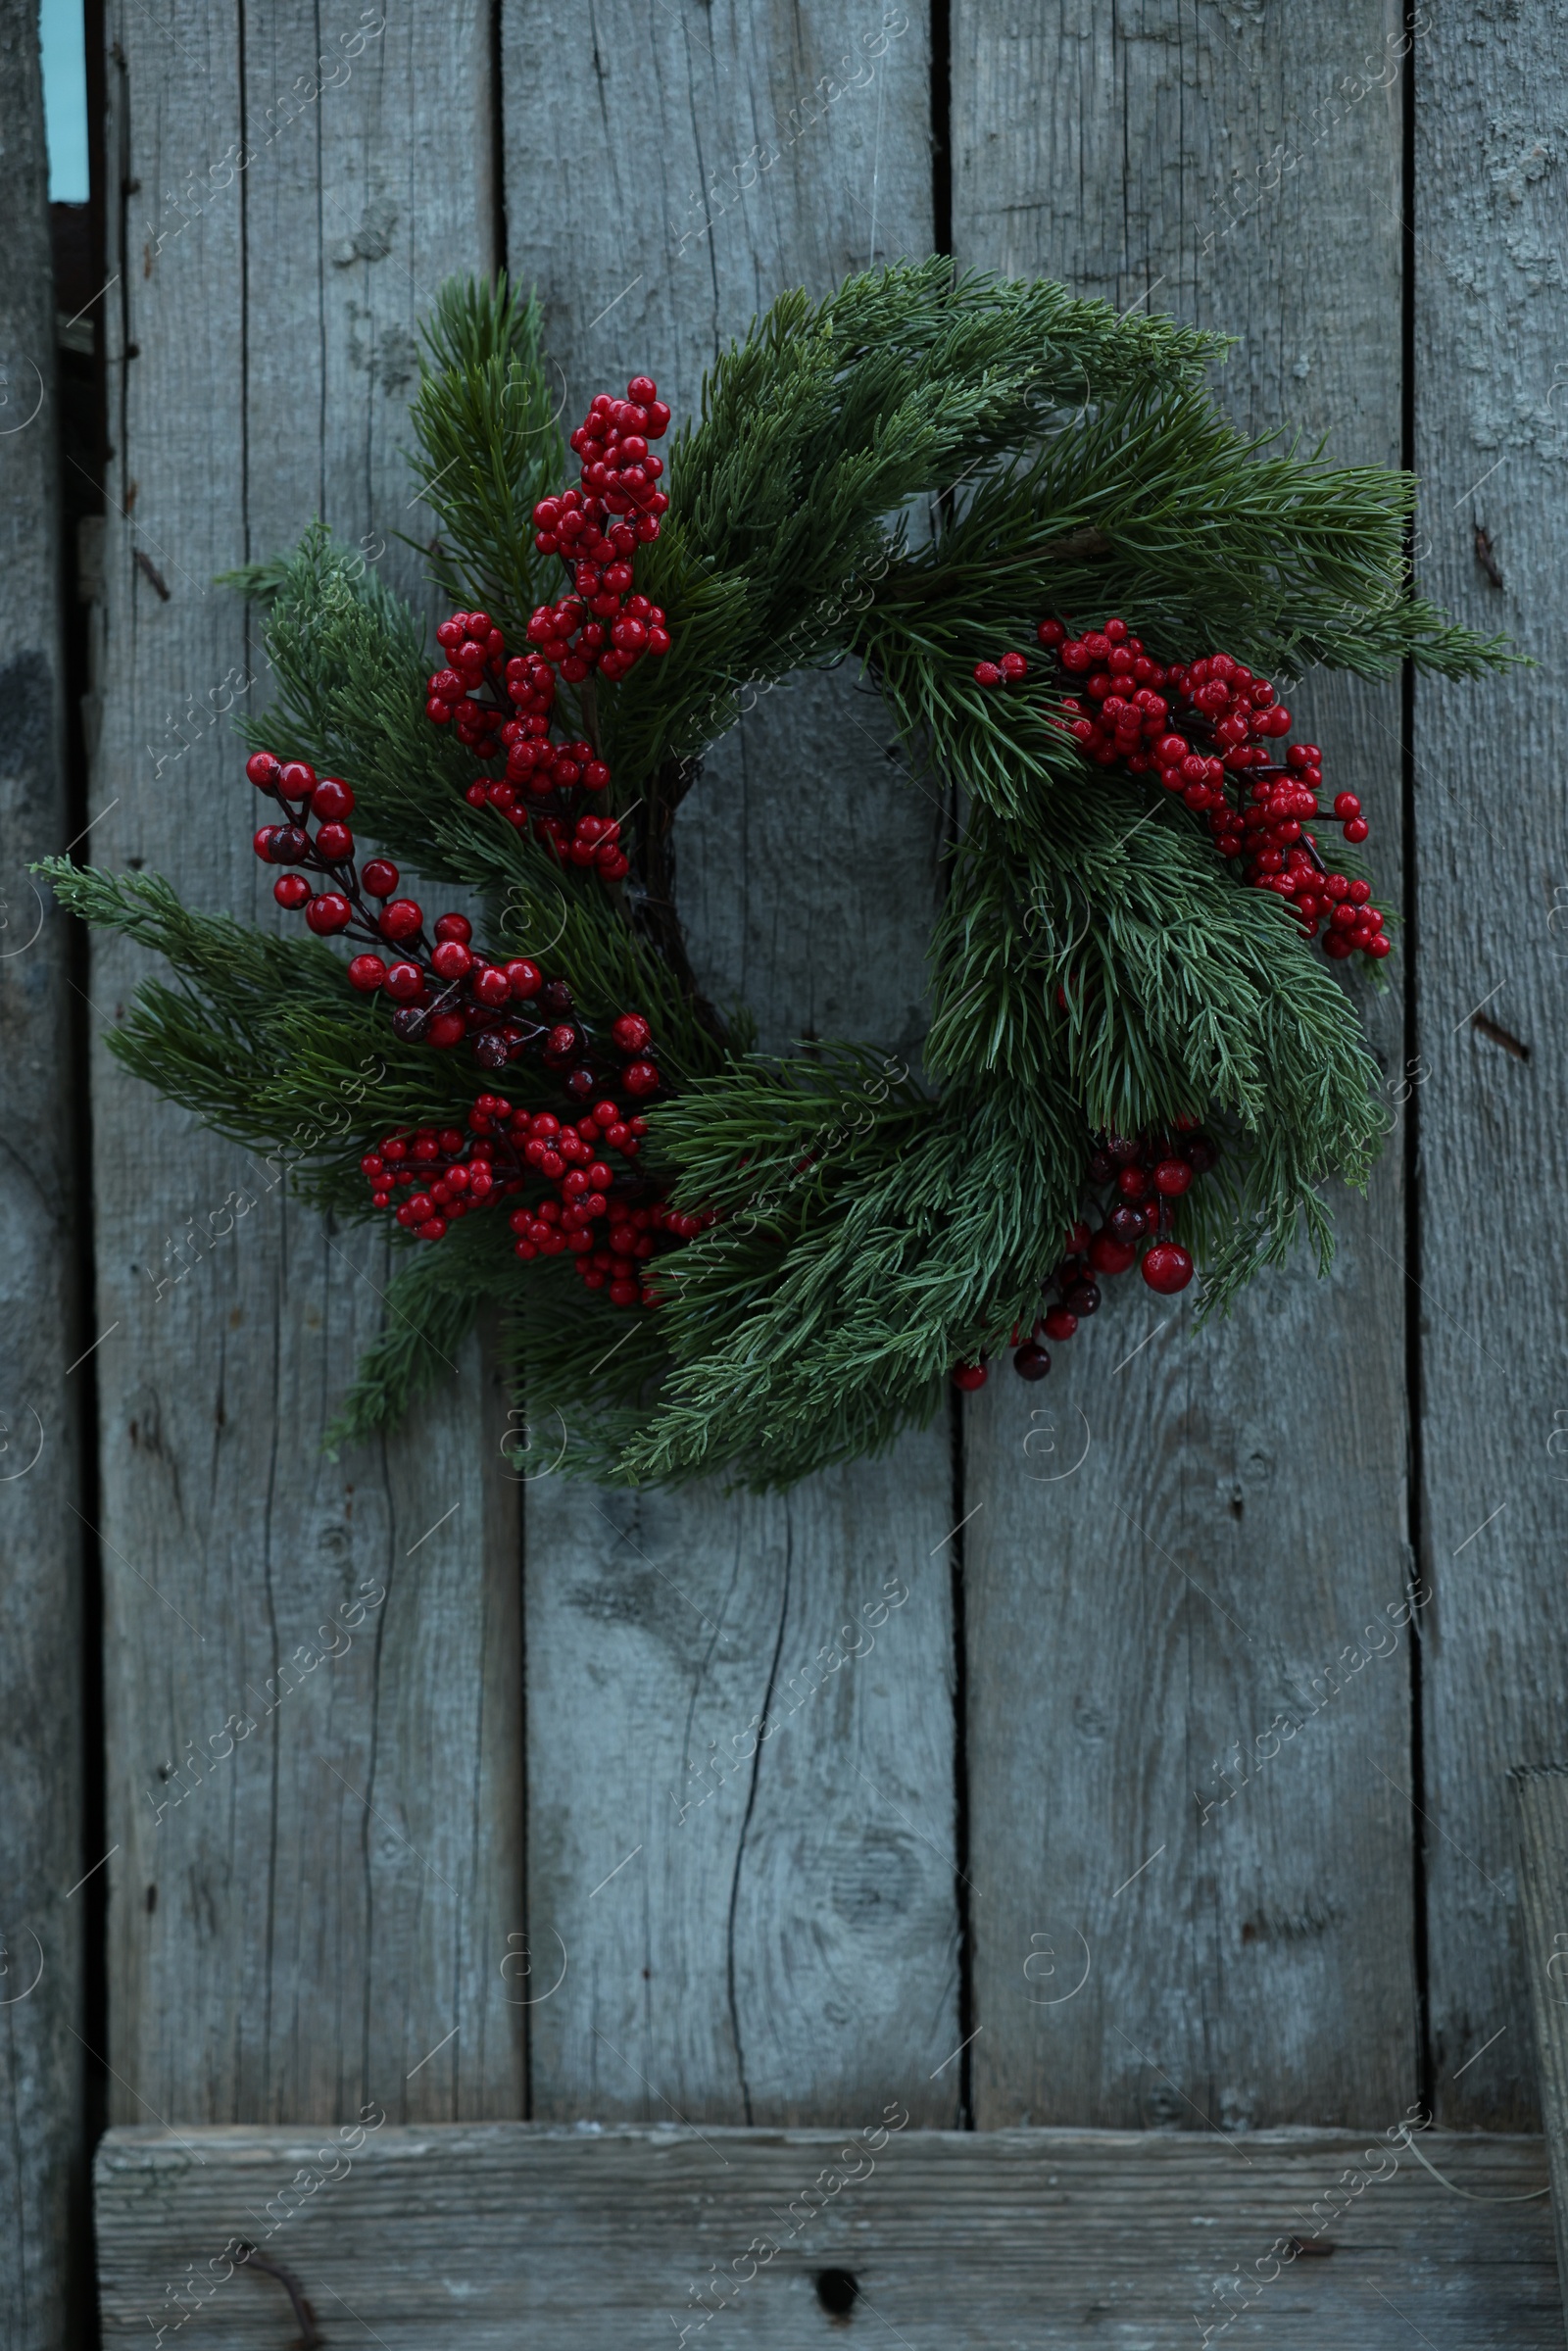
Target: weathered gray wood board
pixel 316 1856
pixel 42 2149
pixel 1184 1910
pixel 777 1941
pixel 1195 1847
pixel 1540 1792
pixel 509 2234
pixel 1490 335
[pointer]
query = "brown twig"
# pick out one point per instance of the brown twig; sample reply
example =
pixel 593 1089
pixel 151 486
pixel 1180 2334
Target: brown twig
pixel 152 572
pixel 1087 541
pixel 311 2335
pixel 655 916
pixel 1486 559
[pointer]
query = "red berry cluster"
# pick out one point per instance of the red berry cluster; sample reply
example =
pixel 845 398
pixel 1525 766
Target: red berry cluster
pixel 612 1237
pixel 499 707
pixel 596 530
pixel 444 990
pixel 1138 1179
pixel 548 783
pixel 1127 712
pixel 610 1223
pixel 441 1175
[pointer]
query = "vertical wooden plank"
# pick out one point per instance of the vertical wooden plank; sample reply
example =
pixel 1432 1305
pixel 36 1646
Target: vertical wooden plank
pixel 1540 1792
pixel 1178 1541
pixel 317 1860
pixel 43 2150
pixel 777 1941
pixel 1490 335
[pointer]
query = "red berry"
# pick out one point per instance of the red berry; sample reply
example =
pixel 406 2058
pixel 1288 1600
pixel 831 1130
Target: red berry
pixel 331 800
pixel 1356 830
pixel 291 890
pixel 1031 1362
pixel 525 979
pixel 404 982
pixel 1167 1267
pixel 970 1376
pixel 295 780
pixel 366 972
pixel 454 926
pixel 492 987
pixel 451 960
pixel 381 877
pixel 1058 1323
pixel 401 918
pixel 262 769
pixel 1108 1256
pixel 263 841
pixel 1013 667
pixel 640 1077
pixel 328 913
pixel 631 1033
pixel 1172 1177
pixel 986 673
pixel 445 1029
pixel 334 842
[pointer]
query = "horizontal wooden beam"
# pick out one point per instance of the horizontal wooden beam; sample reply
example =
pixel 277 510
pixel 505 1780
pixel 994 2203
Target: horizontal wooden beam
pixel 588 2239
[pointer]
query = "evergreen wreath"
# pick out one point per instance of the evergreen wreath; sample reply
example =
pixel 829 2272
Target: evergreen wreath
pixel 709 1259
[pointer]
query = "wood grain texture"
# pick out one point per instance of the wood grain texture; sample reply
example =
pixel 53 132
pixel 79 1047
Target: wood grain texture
pixel 1179 1541
pixel 317 1845
pixel 1040 2241
pixel 43 2145
pixel 786 1950
pixel 1491 332
pixel 1540 1792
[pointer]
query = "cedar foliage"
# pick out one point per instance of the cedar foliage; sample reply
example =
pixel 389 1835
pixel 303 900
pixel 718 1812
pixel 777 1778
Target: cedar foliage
pixel 1094 965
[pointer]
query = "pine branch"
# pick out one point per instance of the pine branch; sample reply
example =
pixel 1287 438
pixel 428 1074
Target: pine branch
pixel 486 417
pixel 431 1304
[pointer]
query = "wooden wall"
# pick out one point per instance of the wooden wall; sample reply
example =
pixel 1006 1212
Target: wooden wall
pixel 42 1904
pixel 1045 1856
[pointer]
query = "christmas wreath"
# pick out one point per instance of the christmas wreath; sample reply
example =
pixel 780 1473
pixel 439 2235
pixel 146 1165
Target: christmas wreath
pixel 1078 590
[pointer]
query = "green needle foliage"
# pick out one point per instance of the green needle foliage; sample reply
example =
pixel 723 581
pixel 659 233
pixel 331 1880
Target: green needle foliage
pixel 910 475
